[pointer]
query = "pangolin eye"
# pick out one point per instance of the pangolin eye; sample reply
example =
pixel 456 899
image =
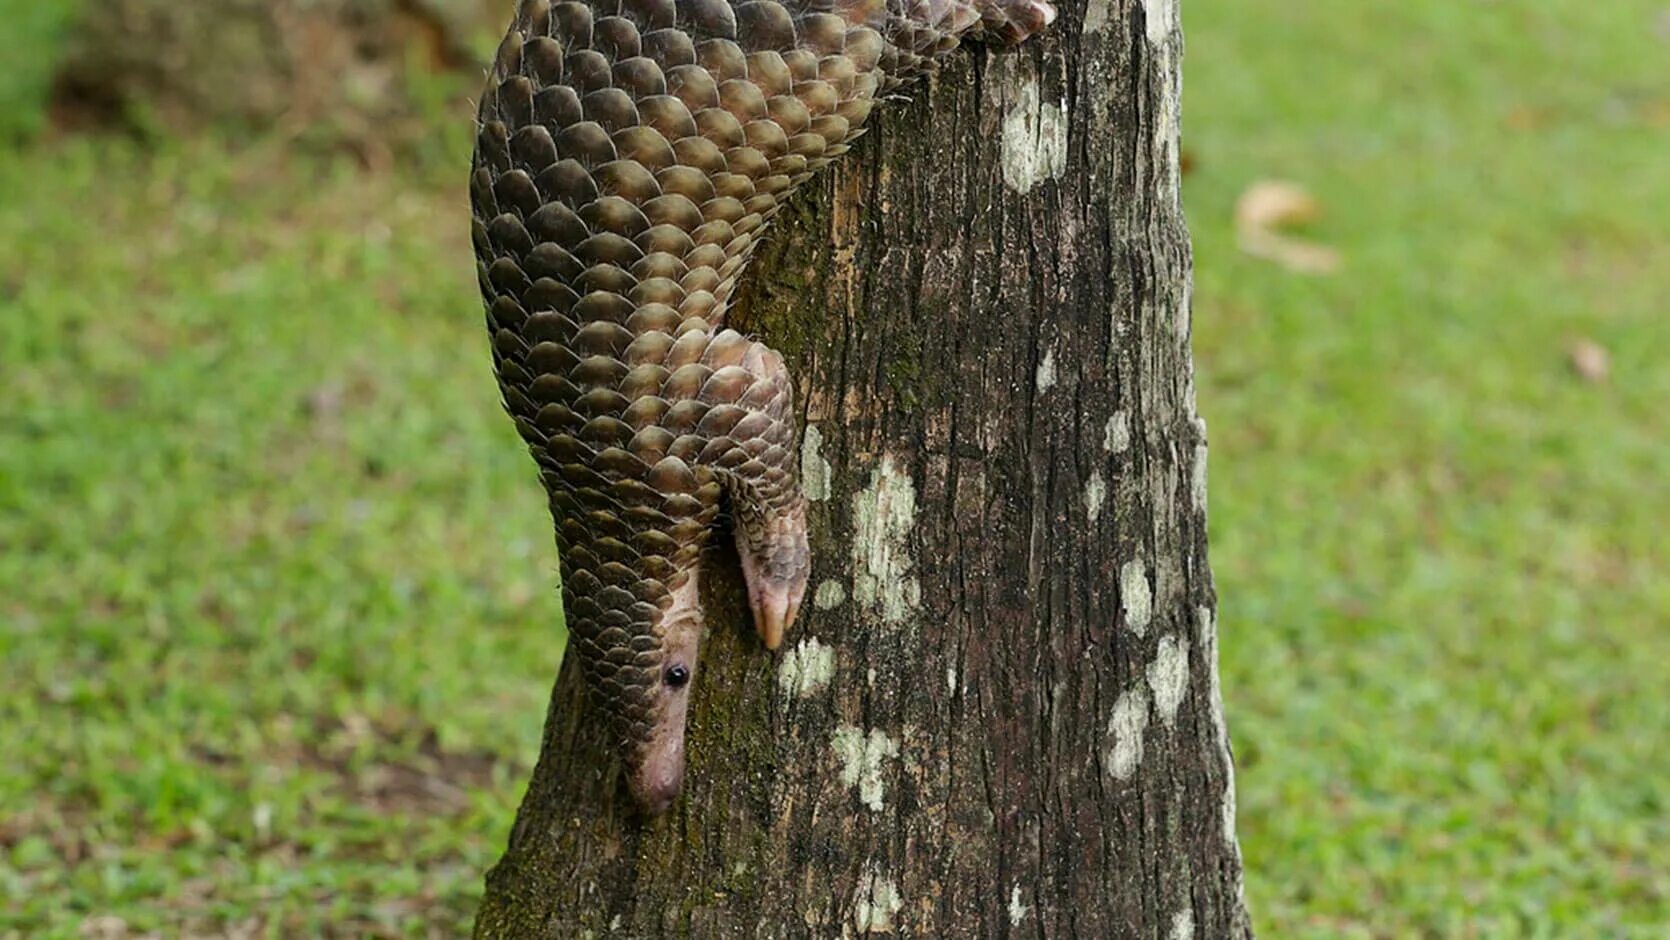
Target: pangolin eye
pixel 676 676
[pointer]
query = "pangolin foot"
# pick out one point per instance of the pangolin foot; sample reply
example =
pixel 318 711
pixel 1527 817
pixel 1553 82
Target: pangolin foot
pixel 776 563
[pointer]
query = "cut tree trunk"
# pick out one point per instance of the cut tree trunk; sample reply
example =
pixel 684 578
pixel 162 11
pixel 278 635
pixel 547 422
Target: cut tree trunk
pixel 998 713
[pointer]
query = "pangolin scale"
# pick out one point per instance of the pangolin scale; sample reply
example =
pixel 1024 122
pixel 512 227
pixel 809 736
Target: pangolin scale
pixel 629 156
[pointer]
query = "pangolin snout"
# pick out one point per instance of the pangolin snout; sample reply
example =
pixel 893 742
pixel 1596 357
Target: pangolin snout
pixel 655 770
pixel 657 780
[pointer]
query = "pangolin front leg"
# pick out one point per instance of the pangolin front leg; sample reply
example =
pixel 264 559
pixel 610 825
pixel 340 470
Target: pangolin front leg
pixel 768 507
pixel 630 154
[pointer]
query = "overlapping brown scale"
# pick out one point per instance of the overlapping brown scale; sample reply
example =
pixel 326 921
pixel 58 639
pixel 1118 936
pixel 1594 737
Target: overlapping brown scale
pixel 506 314
pixel 606 279
pixel 693 85
pixel 616 37
pixel 541 61
pixel 669 48
pixel 608 248
pixel 515 190
pixel 648 411
pixel 605 308
pixel 682 385
pixel 650 445
pixel 533 149
pixel 719 421
pixel 556 107
pixel 586 141
pixel 707 18
pixel 646 147
pixel 550 295
pixel 611 108
pixel 641 380
pixel 667 116
pixel 764 24
pixel 650 14
pixel 789 114
pixel 730 185
pixel 668 239
pixel 601 338
pixel 571 22
pixel 552 222
pixel 657 319
pixel 506 278
pixel 554 389
pixel 515 101
pixel 567 181
pixel 722 60
pixel 534 17
pixel 641 76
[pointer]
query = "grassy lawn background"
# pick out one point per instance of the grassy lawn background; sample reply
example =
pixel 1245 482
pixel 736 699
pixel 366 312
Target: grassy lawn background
pixel 276 618
pixel 1441 555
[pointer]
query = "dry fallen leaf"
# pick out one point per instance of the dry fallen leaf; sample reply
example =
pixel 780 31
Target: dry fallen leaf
pixel 1264 209
pixel 1590 360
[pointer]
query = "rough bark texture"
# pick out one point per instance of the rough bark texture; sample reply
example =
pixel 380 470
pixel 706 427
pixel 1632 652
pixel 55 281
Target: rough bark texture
pixel 999 715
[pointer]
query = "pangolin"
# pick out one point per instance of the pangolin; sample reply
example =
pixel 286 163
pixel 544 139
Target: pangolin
pixel 629 156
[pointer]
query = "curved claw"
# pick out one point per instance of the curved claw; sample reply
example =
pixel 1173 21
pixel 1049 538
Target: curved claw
pixel 776 562
pixel 775 604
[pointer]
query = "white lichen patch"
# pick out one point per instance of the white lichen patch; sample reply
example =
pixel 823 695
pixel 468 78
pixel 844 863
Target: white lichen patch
pixel 1034 142
pixel 1162 27
pixel 1095 495
pixel 1197 479
pixel 829 595
pixel 814 470
pixel 1135 596
pixel 1215 705
pixel 1166 134
pixel 875 901
pixel 806 670
pixel 1096 15
pixel 1160 17
pixel 862 758
pixel 1126 726
pixel 1018 909
pixel 1183 924
pixel 1116 437
pixel 883 515
pixel 1045 379
pixel 1168 678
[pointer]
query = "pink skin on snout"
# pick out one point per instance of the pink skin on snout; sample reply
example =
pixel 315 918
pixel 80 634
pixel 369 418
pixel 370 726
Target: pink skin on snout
pixel 660 776
pixel 655 775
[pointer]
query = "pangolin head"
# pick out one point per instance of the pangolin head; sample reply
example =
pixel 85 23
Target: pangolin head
pixel 654 749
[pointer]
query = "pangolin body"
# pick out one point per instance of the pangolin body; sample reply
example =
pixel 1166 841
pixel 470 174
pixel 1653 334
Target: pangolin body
pixel 630 153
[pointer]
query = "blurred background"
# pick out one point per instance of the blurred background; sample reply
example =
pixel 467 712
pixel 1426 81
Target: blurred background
pixel 276 609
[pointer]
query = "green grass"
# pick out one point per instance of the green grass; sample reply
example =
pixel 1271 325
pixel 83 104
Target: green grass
pixel 1441 555
pixel 34 33
pixel 276 618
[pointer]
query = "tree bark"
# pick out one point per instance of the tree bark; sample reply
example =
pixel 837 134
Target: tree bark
pixel 999 713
